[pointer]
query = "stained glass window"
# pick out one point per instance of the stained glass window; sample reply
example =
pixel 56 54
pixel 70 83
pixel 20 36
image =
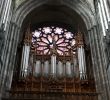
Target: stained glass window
pixel 45 39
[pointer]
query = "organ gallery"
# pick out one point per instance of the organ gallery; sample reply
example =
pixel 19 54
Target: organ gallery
pixel 53 60
pixel 54 49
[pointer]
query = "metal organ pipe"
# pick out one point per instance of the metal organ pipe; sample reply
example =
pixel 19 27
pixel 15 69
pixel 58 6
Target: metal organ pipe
pixel 82 63
pixel 79 59
pixel 59 69
pixel 68 69
pixel 24 62
pixel 24 58
pixel 85 76
pixel 46 69
pixel 27 59
pixel 37 68
pixel 53 65
pixel 75 70
pixel 27 56
pixel 75 62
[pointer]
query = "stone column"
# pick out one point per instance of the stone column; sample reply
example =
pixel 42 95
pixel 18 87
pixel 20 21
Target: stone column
pixel 11 62
pixel 2 6
pixel 8 59
pixel 103 61
pixel 98 64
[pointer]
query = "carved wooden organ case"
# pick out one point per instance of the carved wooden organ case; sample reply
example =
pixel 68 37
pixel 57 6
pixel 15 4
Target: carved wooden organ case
pixel 53 59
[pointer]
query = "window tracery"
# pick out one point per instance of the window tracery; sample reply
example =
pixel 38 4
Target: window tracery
pixel 45 39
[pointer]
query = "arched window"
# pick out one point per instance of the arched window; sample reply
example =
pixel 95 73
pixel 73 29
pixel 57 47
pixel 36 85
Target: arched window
pixel 47 40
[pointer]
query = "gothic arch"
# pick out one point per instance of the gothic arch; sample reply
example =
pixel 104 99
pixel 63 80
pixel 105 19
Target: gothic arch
pixel 80 8
pixel 28 6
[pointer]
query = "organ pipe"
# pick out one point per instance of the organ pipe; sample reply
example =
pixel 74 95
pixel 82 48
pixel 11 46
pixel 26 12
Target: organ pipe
pixel 68 69
pixel 53 65
pixel 37 71
pixel 46 69
pixel 75 62
pixel 81 56
pixel 75 69
pixel 24 61
pixel 80 69
pixel 82 63
pixel 60 69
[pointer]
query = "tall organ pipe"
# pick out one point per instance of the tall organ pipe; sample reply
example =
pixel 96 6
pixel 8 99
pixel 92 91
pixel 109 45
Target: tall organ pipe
pixel 68 69
pixel 37 68
pixel 75 69
pixel 79 59
pixel 46 69
pixel 59 69
pixel 53 65
pixel 24 60
pixel 82 63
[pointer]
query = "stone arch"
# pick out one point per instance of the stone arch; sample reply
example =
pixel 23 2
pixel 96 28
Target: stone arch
pixel 86 14
pixel 80 8
pixel 26 8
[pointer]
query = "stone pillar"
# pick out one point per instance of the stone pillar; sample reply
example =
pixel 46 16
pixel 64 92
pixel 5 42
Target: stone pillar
pixel 11 62
pixel 3 41
pixel 8 55
pixel 99 64
pixel 2 2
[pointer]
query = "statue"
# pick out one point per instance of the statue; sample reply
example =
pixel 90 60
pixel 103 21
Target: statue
pixel 2 39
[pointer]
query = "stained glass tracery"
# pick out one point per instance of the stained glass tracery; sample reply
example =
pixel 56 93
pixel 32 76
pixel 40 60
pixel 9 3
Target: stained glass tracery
pixel 45 39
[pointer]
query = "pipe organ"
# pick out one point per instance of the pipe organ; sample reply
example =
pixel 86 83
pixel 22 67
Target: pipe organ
pixel 53 65
pixel 81 57
pixel 24 61
pixel 46 69
pixel 50 67
pixel 59 69
pixel 54 59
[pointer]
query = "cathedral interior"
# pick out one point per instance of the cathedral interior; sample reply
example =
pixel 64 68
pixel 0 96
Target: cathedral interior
pixel 54 49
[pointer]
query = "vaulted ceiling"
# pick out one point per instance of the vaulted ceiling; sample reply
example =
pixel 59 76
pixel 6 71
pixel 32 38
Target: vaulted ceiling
pixel 88 3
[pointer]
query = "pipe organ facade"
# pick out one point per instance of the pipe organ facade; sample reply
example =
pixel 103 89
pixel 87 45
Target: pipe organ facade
pixel 54 49
pixel 60 52
pixel 53 60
